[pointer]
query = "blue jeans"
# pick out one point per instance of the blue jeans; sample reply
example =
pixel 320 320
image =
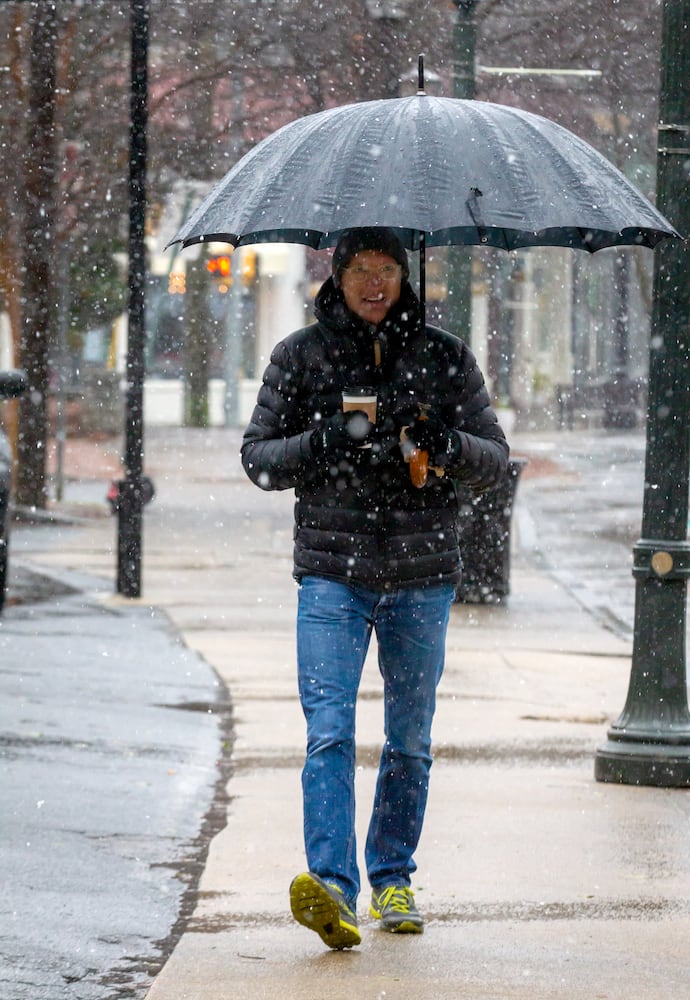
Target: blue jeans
pixel 334 626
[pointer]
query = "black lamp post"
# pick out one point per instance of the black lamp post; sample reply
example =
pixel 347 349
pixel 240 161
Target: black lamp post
pixel 464 46
pixel 650 742
pixel 130 500
pixel 459 303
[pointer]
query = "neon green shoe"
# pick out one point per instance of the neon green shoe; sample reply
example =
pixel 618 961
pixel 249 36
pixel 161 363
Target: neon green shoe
pixel 394 906
pixel 321 907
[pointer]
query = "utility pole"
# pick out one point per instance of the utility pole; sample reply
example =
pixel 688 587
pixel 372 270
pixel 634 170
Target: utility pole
pixel 130 505
pixel 650 742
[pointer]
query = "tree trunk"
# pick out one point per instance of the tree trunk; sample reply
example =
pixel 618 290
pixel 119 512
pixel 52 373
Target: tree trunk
pixel 39 312
pixel 197 330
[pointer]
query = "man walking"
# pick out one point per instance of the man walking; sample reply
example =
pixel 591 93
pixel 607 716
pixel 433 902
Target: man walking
pixel 373 553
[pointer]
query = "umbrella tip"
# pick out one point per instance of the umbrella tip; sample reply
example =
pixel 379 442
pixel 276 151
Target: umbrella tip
pixel 420 74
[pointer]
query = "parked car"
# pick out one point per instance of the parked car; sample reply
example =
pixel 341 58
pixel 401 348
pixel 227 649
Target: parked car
pixel 12 384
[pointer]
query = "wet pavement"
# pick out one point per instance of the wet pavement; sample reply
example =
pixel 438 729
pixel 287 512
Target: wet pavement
pixel 580 514
pixel 537 882
pixel 110 734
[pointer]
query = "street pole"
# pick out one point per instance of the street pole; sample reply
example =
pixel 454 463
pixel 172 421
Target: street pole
pixel 459 303
pixel 130 504
pixel 650 742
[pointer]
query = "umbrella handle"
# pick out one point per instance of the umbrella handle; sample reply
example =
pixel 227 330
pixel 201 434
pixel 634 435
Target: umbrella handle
pixel 419 467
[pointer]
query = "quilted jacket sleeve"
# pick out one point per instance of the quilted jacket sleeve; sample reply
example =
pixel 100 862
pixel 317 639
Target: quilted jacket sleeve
pixel 483 455
pixel 276 454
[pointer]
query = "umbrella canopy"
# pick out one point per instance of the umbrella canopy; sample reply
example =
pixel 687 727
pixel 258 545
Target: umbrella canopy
pixel 439 170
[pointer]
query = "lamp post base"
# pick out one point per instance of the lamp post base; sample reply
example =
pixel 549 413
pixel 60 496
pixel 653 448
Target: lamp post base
pixel 631 763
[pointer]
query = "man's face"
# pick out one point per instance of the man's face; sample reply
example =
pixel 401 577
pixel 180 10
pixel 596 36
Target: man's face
pixel 371 285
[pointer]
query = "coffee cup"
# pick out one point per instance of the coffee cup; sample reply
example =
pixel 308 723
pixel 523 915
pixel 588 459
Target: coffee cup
pixel 361 398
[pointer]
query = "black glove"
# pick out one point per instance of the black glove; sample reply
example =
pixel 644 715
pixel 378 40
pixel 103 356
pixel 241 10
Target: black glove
pixel 341 434
pixel 433 436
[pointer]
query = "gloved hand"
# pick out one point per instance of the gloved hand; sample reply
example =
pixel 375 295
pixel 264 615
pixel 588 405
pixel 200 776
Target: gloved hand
pixel 383 441
pixel 432 435
pixel 341 434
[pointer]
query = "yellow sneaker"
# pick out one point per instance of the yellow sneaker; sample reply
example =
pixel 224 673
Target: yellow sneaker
pixel 394 906
pixel 321 907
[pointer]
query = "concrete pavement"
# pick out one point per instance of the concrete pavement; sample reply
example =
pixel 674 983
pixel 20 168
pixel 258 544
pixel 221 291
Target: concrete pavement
pixel 537 882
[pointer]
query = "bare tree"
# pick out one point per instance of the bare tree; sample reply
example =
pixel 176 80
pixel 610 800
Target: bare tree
pixel 616 110
pixel 38 296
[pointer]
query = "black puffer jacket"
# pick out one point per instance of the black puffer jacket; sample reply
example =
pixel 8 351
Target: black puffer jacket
pixel 361 519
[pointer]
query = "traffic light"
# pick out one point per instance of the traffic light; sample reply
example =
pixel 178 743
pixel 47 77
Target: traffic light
pixel 220 268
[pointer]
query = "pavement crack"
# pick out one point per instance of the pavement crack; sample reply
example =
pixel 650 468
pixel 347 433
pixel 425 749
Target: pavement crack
pixel 548 752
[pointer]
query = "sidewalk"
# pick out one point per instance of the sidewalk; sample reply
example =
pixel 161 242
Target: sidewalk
pixel 536 881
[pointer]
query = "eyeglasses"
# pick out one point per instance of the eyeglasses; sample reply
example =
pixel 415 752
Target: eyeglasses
pixel 362 274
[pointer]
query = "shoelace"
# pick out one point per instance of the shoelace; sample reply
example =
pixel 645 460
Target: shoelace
pixel 396 897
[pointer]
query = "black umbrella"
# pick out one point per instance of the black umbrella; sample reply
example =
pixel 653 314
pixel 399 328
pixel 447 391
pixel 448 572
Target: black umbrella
pixel 441 171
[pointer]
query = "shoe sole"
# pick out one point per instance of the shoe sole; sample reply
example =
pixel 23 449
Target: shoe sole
pixel 313 906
